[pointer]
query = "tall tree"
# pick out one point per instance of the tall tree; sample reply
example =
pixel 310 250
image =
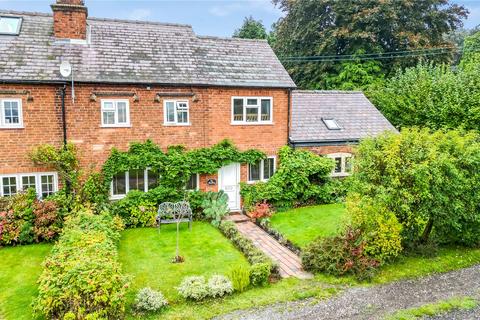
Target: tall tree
pixel 331 27
pixel 251 29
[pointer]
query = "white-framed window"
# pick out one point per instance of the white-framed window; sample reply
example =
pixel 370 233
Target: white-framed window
pixel 343 164
pixel 252 110
pixel 11 113
pixel 135 179
pixel 115 113
pixel 10 25
pixel 193 182
pixel 331 124
pixel 44 183
pixel 261 170
pixel 176 112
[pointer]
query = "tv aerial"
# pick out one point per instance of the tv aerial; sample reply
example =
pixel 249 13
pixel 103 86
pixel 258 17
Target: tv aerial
pixel 66 70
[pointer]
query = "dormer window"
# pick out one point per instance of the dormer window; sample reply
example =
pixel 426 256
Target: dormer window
pixel 331 124
pixel 10 25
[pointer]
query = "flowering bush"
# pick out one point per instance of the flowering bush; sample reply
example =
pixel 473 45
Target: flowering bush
pixel 219 286
pixel 150 300
pixel 194 288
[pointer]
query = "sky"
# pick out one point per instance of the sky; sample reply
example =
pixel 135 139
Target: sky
pixel 214 18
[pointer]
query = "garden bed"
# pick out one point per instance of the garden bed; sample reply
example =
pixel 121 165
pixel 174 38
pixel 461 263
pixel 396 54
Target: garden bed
pixel 302 225
pixel 20 269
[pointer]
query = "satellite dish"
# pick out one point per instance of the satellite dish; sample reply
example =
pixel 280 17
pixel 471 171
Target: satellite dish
pixel 65 69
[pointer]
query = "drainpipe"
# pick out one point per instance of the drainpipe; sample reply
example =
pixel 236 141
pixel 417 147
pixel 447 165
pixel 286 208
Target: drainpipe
pixel 288 115
pixel 64 121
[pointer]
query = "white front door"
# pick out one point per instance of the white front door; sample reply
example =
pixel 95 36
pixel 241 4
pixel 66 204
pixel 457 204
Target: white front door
pixel 229 181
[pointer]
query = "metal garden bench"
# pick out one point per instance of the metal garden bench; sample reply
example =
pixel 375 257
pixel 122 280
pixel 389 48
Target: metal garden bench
pixel 169 212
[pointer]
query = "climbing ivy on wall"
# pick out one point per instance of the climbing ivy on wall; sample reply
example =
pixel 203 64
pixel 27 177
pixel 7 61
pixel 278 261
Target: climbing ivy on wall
pixel 176 165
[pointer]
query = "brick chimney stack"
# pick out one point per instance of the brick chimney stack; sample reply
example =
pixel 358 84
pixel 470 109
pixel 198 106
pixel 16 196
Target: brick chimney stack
pixel 70 19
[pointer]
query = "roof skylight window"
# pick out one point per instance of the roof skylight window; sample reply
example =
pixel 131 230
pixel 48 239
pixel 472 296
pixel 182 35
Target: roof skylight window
pixel 10 25
pixel 331 124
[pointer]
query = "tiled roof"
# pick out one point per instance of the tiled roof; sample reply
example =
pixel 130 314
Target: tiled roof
pixel 355 114
pixel 138 52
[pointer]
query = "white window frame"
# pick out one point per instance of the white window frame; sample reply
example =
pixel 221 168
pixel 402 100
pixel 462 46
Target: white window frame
pixel 262 170
pixel 3 124
pixel 115 106
pixel 175 121
pixel 198 183
pixel 259 105
pixel 38 183
pixel 127 185
pixel 343 156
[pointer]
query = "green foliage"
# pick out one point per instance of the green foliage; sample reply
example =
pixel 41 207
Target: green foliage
pixel 340 255
pixel 431 96
pixel 331 28
pixel 193 288
pixel 215 206
pixel 62 159
pixel 251 29
pixel 219 286
pixel 253 255
pixel 82 277
pixel 380 226
pixel 240 277
pixel 259 274
pixel 428 180
pixel 302 177
pixel 25 219
pixel 149 300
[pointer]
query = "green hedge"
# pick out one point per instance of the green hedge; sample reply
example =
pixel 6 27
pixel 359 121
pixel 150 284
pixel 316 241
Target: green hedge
pixel 262 265
pixel 82 277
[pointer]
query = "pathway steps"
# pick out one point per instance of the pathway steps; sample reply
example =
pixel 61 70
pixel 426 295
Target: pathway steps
pixel 290 264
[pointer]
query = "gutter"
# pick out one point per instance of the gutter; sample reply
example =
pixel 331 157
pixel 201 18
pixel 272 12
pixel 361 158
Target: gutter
pixel 64 121
pixel 288 115
pixel 321 143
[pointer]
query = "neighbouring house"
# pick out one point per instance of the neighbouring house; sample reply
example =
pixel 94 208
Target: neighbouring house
pixel 330 123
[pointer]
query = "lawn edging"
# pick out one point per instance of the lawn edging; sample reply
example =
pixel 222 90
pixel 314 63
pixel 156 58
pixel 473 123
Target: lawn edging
pixel 266 226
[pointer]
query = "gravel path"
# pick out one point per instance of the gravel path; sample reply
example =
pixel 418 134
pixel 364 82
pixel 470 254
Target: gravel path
pixel 376 301
pixel 473 314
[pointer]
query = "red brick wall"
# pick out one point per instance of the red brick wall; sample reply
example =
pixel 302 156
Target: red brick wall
pixel 42 124
pixel 210 117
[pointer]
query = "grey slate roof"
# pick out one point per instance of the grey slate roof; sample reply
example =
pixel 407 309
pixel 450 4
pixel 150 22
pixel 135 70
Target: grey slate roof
pixel 138 52
pixel 355 114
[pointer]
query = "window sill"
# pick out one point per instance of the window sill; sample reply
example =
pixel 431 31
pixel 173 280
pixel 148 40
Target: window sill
pixel 252 123
pixel 177 124
pixel 118 197
pixel 339 175
pixel 116 126
pixel 11 127
pixel 257 181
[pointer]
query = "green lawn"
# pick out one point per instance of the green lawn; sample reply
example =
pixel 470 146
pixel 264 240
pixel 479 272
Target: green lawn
pixel 302 225
pixel 20 268
pixel 146 255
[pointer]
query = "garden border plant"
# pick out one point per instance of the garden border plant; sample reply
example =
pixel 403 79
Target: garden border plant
pixel 277 235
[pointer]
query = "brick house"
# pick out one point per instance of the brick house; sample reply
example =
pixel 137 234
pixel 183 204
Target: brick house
pixel 330 123
pixel 133 81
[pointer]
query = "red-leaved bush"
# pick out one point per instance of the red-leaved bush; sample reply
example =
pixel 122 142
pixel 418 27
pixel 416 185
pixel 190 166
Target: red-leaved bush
pixel 261 210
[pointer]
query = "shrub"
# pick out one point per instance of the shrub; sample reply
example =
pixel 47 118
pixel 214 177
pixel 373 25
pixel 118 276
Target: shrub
pixel 82 277
pixel 427 180
pixel 301 178
pixel 340 255
pixel 380 227
pixel 215 206
pixel 149 300
pixel 260 211
pixel 259 274
pixel 194 288
pixel 47 222
pixel 240 277
pixel 219 286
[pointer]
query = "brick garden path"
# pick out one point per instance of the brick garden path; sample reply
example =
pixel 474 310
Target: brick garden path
pixel 289 263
